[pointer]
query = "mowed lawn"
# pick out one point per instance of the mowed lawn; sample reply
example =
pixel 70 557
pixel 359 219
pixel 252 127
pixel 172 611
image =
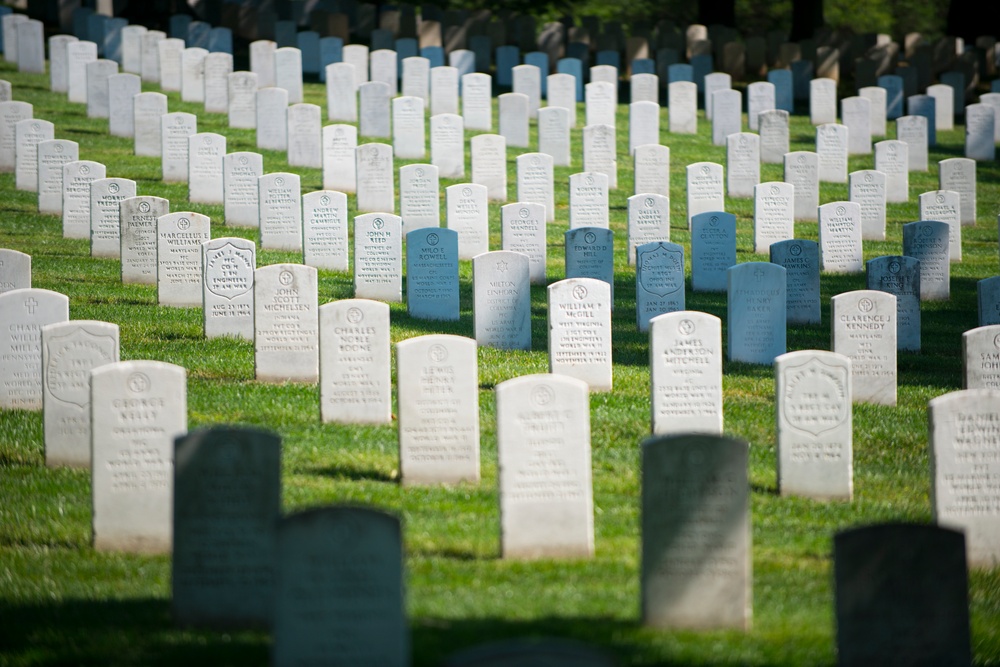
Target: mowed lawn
pixel 63 603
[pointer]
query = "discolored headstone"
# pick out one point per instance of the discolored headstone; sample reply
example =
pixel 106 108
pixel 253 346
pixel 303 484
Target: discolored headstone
pixel 286 324
pixel 242 96
pixel 659 280
pixel 756 312
pixel 945 206
pixel 437 384
pixel 981 352
pixel 448 145
pixel 742 164
pixel 138 408
pixel 988 298
pixel 138 216
pixel 147 108
pixel 354 379
pixel 696 540
pixel 228 266
pixel 339 589
pixel 432 286
pixel 958 174
pixel 901 596
pixel 227 503
pixel 813 415
pixel 867 188
pixel 801 261
pixel 928 241
pixel 900 276
pixel 543 450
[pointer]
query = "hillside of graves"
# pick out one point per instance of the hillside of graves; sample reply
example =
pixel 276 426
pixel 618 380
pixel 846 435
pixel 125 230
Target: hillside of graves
pixel 66 600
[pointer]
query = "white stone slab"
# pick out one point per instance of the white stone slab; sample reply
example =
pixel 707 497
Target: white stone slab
pixel 375 182
pixel 444 90
pixel 193 74
pixel 272 119
pixel 242 94
pixel 802 172
pixel 867 188
pixel 227 269
pixel 760 98
pixel 241 198
pixel 416 78
pixel 280 199
pixel 705 189
pixel 981 352
pixel 774 139
pixel 831 151
pixel 341 92
pixel 958 174
pixel 286 324
pixel 218 67
pixel 840 237
pixel 138 237
pixel 502 300
pixel 523 230
pixel 76 181
pixel 648 221
pixel 28 133
pixel 24 312
pixel 822 101
pixel 288 72
pixel 357 55
pixel 489 164
pixel 742 164
pixel 912 130
pixel 980 132
pixel 527 79
pixel 643 124
pixel 378 257
pixel 339 168
pixel 774 214
pixel 206 173
pixel 857 116
pixel 15 270
pixel 864 329
pixel 170 54
pixel 561 92
pixel 78 55
pixel 419 197
pixel 727 115
pixel 876 97
pixel 601 100
pixel 175 131
pixel 59 62
pixel 685 357
pixel 580 331
pixel 122 89
pixel 408 136
pixel 600 151
pixel 11 113
pixel 553 135
pixel 354 381
pixel 147 110
pixel 179 238
pixel 53 155
pixel 477 107
pixel 149 65
pixel 891 158
pixel 945 206
pixel 448 145
pixel 651 169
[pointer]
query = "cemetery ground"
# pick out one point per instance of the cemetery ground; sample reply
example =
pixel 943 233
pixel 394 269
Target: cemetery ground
pixel 61 602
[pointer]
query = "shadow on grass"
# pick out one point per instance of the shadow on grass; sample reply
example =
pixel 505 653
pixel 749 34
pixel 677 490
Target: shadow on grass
pixel 142 632
pixel 353 474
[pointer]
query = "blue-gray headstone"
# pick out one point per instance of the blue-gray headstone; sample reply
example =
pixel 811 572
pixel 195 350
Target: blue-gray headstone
pixel 540 60
pixel 801 261
pixel 659 281
pixel 783 89
pixel 713 250
pixel 924 105
pixel 590 254
pixel 432 274
pixel 574 67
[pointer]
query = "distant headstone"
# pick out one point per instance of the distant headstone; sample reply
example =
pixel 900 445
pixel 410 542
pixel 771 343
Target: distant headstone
pixel 77 178
pixel 206 173
pixel 600 148
pixel 802 172
pixel 138 217
pixel 222 569
pixel 857 116
pixel 477 110
pixel 945 206
pixel 695 567
pixel 813 414
pixel 543 447
pixel 437 380
pixel 170 52
pixel 444 90
pixel 988 298
pixel 122 89
pixel 502 300
pixel 981 352
pixel 901 595
pixel 980 132
pixel 553 135
pixel 958 174
pixel 588 200
pixel 864 329
pixel 193 74
pixel 682 97
pixel 24 312
pixel 11 113
pixel 727 115
pixel 831 152
pixel 28 133
pixel 912 130
pixel 900 276
pixel 876 97
pixel 339 588
pixel 756 312
pixel 527 79
pixel 408 128
pixel 341 92
pixel 241 199
pixel 305 144
pixel 659 280
pixel 773 217
pixel 59 62
pixel 840 237
pixel 580 331
pixel 704 189
pixel 760 98
pixel 801 261
pixel 280 200
pixel 288 72
pixel 867 189
pixel 822 101
pixel 891 158
pixel 286 324
pixel 355 386
pixel 489 164
pixel 561 92
pixel 713 250
pixel 651 169
pixel 227 273
pixel 147 110
pixel 376 187
pixel 648 221
pixel 378 257
pixel 53 155
pixel 928 241
pixel 467 215
pixel 339 161
pixel 272 119
pixel 523 230
pixel 149 67
pixel 742 164
pixel 419 196
pixel 774 139
pixel 534 181
pixel 448 145
pixel 175 131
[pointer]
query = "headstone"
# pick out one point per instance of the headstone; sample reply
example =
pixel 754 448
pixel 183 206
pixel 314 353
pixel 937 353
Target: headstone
pixel 272 119
pixel 417 78
pixel 901 594
pixel 554 135
pixel 648 221
pixel 601 103
pixel 928 241
pixel 659 280
pixel 600 146
pixel 59 62
pixel 448 145
pixel 713 250
pixel 378 257
pixel 432 287
pixel 980 132
pixel 864 329
pixel 727 115
pixel 241 199
pixel 489 164
pixel 30 47
pixel 580 331
pixel 501 310
pixel 437 380
pixel 704 189
pixel 760 97
pixel 561 92
pixel 589 253
pixel 840 237
pixel 149 67
pixel 78 56
pixel 988 298
pixel 963 442
pixel 175 131
pixel 682 99
pixel 222 565
pixel 193 74
pixel 15 270
pixel 339 588
pixel 147 110
pixel 802 172
pixel 867 188
pixel 832 151
pixel 813 412
pixel 782 81
pixel 11 113
pixel 383 66
pixel 958 174
pixel 357 55
pixel 53 155
pixel 354 380
pixel 893 86
pixel 279 196
pixel 912 130
pixel 98 72
pixel 376 187
pixel 305 145
pixel 774 136
pixel 543 448
pixel 206 173
pixel 891 158
pixel 527 79
pixel 477 109
pixel 178 258
pixel 945 206
pixel 756 310
pixel 228 269
pixel 419 197
pixel 876 97
pixel 857 116
pixel 288 72
pixel 341 92
pixel 822 101
pixel 923 105
pixel 943 97
pixel 467 215
pixel 651 169
pixel 900 276
pixel 695 564
pixel 374 110
pixel 170 52
pixel 24 312
pixel 138 237
pixel 742 164
pixel 132 48
pixel 513 117
pixel 981 352
pixel 28 133
pixel 800 258
pixel 286 323
pixel 339 162
pixel 408 128
pixel 534 181
pixel 773 214
pixel 444 90
pixel 522 229
pixel 242 100
pixel 77 177
pixel 139 407
pixel 122 89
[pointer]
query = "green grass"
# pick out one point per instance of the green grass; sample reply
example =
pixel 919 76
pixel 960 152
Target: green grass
pixel 61 602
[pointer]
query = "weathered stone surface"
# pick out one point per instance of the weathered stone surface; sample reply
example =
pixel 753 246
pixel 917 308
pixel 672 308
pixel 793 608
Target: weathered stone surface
pixel 355 386
pixel 286 324
pixel 864 329
pixel 756 312
pixel 580 331
pixel 685 361
pixel 228 269
pixel 23 313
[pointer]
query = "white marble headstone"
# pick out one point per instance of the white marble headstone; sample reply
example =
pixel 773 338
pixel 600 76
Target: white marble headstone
pixel 23 313
pixel 227 272
pixel 864 329
pixel 355 385
pixel 286 324
pixel 580 331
